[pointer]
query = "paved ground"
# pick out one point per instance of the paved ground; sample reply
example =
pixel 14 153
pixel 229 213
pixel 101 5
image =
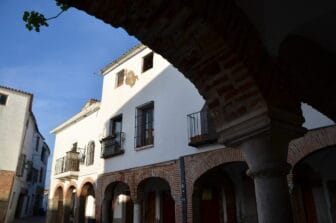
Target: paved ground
pixel 31 220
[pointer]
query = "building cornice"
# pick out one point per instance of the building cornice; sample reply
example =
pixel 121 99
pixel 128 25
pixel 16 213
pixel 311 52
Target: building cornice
pixel 126 56
pixel 77 117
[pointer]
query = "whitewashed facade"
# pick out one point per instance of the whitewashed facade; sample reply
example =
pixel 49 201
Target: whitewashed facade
pixel 24 156
pixel 171 96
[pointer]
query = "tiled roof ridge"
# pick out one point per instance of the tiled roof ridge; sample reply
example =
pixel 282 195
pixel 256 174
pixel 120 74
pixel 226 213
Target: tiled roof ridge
pixel 16 90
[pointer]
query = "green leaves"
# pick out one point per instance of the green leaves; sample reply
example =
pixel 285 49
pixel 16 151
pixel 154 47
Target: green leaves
pixel 63 6
pixel 34 20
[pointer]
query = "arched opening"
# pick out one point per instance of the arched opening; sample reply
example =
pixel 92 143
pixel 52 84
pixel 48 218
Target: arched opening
pixel 224 194
pixel 87 204
pixel 314 187
pixel 117 204
pixel 58 206
pixel 70 205
pixel 157 204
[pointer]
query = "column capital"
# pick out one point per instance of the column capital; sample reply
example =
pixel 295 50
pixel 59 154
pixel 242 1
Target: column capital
pixel 271 121
pixel 273 169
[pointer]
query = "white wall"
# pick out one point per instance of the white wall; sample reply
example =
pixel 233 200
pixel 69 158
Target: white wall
pixel 82 132
pixel 18 134
pixel 12 118
pixel 174 97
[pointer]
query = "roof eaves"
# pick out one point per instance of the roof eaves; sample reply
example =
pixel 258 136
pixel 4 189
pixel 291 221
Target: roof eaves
pixel 77 117
pixel 129 54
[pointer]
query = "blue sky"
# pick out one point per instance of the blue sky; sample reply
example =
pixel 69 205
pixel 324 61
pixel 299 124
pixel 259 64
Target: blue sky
pixel 60 65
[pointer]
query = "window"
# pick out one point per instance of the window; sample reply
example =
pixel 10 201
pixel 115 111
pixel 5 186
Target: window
pixel 90 153
pixel 116 125
pixel 112 144
pixel 41 175
pixel 37 143
pixel 144 125
pixel 3 99
pixel 32 175
pixel 21 165
pixel 120 78
pixel 147 62
pixel 44 155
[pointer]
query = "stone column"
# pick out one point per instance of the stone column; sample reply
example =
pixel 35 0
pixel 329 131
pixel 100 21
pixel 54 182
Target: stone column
pixel 266 155
pixel 137 213
pixel 157 206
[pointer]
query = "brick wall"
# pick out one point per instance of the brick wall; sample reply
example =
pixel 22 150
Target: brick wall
pixel 6 183
pixel 314 140
pixel 198 164
pixel 168 171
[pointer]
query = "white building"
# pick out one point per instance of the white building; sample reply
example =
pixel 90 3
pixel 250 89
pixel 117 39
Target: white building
pixel 147 152
pixel 24 156
pixel 144 105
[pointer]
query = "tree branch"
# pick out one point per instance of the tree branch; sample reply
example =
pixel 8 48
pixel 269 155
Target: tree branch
pixel 54 17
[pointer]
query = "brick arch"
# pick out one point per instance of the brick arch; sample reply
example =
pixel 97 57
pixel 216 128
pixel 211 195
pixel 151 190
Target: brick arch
pixel 198 165
pixel 83 192
pixel 58 185
pixel 108 196
pixel 165 175
pixel 109 179
pixel 111 186
pixel 84 182
pixel 313 141
pixel 71 184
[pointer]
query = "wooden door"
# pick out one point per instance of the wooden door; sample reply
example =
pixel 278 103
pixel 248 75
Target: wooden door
pixel 210 206
pixel 168 208
pixel 150 208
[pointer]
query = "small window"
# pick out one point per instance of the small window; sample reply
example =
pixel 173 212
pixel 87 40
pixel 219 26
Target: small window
pixel 37 143
pixel 3 99
pixel 144 125
pixel 90 153
pixel 116 125
pixel 120 78
pixel 35 175
pixel 147 62
pixel 41 175
pixel 21 165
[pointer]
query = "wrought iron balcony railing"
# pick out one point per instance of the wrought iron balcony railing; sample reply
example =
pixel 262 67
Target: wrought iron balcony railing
pixel 112 145
pixel 67 166
pixel 201 130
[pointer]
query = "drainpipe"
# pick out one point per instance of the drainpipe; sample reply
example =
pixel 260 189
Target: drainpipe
pixel 183 190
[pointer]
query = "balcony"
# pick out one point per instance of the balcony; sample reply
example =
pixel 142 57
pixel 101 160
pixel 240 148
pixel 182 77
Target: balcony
pixel 201 130
pixel 112 145
pixel 67 167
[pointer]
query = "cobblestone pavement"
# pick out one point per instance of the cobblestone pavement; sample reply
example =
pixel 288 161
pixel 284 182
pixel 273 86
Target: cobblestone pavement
pixel 39 219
